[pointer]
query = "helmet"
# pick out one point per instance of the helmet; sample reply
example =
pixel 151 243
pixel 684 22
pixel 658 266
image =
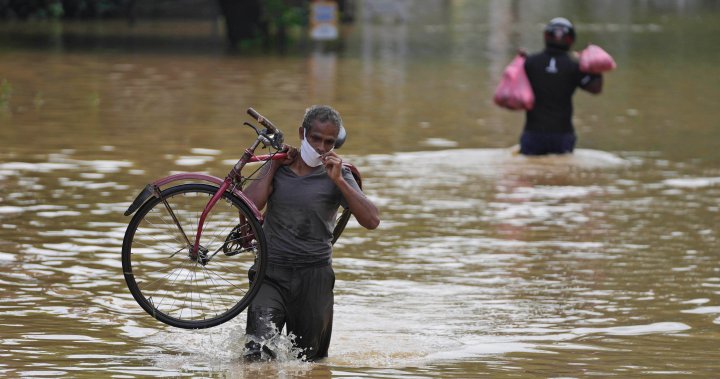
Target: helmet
pixel 559 33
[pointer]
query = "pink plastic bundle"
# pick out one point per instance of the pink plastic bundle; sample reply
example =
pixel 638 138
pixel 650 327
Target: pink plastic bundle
pixel 514 91
pixel 595 60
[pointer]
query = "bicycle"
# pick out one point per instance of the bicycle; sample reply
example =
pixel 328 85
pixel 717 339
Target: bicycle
pixel 192 285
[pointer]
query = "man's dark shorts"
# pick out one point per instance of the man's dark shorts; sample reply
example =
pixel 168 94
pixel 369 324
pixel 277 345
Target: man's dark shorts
pixel 539 143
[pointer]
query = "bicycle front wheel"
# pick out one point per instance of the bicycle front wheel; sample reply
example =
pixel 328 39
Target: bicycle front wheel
pixel 187 289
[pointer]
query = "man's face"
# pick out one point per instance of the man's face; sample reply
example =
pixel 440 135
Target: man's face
pixel 321 135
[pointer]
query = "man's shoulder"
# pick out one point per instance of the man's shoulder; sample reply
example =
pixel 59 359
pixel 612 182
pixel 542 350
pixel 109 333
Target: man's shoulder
pixel 535 54
pixel 538 58
pixel 352 175
pixel 545 54
pixel 349 169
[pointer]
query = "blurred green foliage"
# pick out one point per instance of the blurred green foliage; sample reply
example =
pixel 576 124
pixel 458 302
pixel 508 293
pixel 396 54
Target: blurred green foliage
pixel 5 92
pixel 284 13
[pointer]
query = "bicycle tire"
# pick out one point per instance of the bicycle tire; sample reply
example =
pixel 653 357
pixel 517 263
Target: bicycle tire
pixel 186 292
pixel 344 216
pixel 340 224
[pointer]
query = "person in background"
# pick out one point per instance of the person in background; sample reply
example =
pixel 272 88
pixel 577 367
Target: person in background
pixel 554 75
pixel 303 194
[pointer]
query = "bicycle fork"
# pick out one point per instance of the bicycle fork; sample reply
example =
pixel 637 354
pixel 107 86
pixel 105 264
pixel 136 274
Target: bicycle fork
pixel 159 195
pixel 216 197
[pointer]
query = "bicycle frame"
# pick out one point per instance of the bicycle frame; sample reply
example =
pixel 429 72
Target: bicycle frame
pixel 232 182
pixel 155 188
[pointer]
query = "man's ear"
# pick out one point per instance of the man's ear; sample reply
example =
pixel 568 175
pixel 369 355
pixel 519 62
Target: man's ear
pixel 342 136
pixel 300 133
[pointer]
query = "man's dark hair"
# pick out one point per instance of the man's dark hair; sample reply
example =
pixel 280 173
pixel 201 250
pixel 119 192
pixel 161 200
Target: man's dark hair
pixel 322 113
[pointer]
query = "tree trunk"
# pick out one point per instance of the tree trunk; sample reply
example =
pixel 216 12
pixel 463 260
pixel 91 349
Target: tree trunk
pixel 242 18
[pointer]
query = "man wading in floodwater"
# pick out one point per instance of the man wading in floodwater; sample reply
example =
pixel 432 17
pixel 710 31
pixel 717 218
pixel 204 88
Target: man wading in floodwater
pixel 554 76
pixel 303 195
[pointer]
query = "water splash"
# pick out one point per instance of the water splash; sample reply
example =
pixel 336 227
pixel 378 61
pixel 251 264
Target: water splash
pixel 279 347
pixel 221 349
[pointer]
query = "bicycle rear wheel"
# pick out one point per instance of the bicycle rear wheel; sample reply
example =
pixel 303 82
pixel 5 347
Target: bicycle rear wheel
pixel 201 290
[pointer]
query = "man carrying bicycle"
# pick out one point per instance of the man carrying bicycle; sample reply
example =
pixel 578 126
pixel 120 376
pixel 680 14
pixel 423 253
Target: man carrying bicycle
pixel 302 197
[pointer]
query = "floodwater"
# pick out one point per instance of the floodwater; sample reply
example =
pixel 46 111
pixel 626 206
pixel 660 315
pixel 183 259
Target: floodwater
pixel 486 264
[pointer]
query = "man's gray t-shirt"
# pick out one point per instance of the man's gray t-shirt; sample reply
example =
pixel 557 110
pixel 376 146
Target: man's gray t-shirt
pixel 300 217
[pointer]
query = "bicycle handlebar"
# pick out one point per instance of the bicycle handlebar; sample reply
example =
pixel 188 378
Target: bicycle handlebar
pixel 262 120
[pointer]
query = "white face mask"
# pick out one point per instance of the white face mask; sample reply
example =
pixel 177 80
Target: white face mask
pixel 308 153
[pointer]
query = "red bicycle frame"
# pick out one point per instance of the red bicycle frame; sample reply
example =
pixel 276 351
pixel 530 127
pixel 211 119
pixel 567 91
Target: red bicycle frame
pixel 232 182
pixel 233 179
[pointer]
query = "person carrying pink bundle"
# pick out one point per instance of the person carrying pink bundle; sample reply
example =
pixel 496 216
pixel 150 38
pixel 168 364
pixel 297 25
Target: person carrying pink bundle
pixel 554 75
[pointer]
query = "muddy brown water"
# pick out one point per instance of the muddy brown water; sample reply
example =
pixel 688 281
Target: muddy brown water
pixel 486 264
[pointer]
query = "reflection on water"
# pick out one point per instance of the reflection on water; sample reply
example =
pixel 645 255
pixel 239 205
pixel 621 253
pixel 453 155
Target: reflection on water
pixel 603 263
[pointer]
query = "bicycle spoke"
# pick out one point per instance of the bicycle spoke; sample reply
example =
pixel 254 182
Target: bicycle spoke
pixel 220 277
pixel 219 298
pixel 165 221
pixel 219 233
pixel 152 247
pixel 190 275
pixel 210 294
pixel 156 226
pixel 170 269
pixel 166 294
pixel 175 219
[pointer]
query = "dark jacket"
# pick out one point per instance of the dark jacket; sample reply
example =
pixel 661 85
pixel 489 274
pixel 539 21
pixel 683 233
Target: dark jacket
pixel 554 75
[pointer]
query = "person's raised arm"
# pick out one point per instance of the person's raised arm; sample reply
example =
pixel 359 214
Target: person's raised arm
pixel 365 212
pixel 260 189
pixel 592 83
